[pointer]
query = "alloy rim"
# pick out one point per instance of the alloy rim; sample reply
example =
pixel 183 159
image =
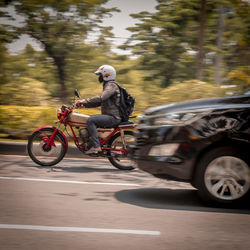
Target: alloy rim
pixel 227 178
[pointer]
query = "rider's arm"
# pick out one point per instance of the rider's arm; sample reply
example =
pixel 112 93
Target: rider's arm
pixel 96 101
pixel 92 102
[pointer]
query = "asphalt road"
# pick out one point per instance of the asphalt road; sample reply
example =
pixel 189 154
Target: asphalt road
pixel 88 204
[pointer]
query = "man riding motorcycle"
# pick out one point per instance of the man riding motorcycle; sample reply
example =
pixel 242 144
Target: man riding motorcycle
pixel 109 101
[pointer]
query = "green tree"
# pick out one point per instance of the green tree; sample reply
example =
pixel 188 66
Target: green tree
pixel 237 44
pixel 201 40
pixel 29 64
pixel 198 39
pixel 219 45
pixel 4 62
pixel 227 40
pixel 162 40
pixel 86 58
pixel 60 26
pixel 6 36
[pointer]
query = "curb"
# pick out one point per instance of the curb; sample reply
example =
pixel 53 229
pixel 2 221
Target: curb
pixel 20 148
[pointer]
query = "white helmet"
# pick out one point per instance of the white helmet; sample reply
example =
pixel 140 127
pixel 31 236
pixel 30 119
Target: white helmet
pixel 108 72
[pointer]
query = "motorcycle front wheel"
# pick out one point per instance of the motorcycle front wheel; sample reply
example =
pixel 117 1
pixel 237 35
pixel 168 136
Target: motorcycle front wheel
pixel 119 159
pixel 42 155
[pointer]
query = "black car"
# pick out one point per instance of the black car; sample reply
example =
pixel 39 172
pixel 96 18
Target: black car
pixel 204 142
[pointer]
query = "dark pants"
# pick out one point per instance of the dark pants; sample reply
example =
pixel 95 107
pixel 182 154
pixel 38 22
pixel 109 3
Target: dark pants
pixel 101 121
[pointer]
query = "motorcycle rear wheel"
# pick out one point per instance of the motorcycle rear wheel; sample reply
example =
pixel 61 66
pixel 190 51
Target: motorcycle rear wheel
pixel 118 159
pixel 46 156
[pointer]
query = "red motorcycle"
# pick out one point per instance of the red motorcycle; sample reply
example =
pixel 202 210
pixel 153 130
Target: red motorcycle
pixel 48 145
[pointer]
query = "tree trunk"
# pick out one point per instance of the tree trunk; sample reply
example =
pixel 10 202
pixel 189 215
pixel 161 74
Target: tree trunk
pixel 61 76
pixel 60 64
pixel 201 40
pixel 219 56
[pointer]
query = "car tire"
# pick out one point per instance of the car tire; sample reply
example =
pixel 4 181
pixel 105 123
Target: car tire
pixel 223 175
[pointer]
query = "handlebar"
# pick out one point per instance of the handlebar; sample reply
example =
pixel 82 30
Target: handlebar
pixel 64 107
pixel 73 106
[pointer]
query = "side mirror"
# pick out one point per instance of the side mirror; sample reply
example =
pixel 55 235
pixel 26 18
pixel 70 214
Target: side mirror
pixel 77 94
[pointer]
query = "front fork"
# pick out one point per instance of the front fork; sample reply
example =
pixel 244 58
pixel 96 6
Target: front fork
pixel 50 141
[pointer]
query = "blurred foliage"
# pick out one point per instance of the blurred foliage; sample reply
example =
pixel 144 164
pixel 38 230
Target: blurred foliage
pixel 20 121
pixel 16 120
pixel 163 68
pixel 24 91
pixel 168 40
pixel 240 76
pixel 180 92
pixel 190 90
pixel 164 40
pixel 60 27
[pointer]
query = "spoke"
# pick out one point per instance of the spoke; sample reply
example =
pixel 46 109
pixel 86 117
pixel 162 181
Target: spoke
pixel 233 191
pixel 238 187
pixel 39 153
pixel 217 186
pixel 223 190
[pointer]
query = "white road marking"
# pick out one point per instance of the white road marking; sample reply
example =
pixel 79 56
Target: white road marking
pixel 72 182
pixel 78 229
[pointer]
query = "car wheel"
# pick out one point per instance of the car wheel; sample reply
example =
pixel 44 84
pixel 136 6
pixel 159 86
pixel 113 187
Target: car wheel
pixel 223 175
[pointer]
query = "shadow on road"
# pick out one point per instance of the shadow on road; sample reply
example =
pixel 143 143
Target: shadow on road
pixel 178 199
pixel 81 169
pixel 76 166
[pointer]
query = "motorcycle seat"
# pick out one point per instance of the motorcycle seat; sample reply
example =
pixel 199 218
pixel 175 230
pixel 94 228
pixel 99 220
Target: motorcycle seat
pixel 125 123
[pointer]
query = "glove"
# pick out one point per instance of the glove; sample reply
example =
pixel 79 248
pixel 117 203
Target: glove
pixel 78 104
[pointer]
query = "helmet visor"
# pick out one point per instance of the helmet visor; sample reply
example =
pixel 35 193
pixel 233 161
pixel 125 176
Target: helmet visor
pixel 98 73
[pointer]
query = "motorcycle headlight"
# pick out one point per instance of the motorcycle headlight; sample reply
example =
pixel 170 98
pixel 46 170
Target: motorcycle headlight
pixel 175 118
pixel 59 113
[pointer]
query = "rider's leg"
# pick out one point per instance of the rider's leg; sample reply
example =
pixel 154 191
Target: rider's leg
pixel 95 121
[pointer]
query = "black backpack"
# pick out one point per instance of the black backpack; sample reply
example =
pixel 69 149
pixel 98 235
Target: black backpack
pixel 127 103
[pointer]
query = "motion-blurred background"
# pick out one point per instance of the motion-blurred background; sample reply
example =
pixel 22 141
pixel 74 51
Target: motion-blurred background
pixel 164 51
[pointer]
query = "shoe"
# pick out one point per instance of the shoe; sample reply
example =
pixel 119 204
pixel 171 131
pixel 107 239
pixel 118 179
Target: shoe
pixel 93 151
